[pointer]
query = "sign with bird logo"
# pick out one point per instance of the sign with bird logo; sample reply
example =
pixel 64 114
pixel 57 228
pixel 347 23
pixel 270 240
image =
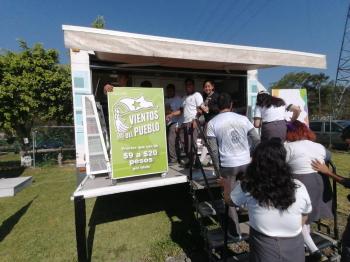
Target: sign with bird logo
pixel 137 131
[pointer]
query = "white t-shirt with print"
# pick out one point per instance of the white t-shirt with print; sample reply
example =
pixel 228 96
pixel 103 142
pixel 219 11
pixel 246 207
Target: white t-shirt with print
pixel 301 153
pixel 230 130
pixel 175 103
pixel 271 221
pixel 270 114
pixel 190 105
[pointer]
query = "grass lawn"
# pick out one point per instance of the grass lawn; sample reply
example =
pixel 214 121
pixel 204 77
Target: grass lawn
pixel 38 223
pixel 342 161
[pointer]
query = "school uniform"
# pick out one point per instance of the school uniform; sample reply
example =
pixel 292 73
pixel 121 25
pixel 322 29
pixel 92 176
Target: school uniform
pixel 299 157
pixel 273 122
pixel 275 235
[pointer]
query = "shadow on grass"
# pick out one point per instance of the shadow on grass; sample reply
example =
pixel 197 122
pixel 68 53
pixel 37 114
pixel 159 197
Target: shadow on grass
pixel 10 169
pixel 9 223
pixel 174 200
pixel 185 230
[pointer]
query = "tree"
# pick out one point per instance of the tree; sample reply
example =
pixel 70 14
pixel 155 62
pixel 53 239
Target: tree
pixel 99 22
pixel 318 86
pixel 33 88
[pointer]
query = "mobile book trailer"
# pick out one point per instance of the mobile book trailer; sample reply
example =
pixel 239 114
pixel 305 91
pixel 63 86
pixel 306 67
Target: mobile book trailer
pixel 120 137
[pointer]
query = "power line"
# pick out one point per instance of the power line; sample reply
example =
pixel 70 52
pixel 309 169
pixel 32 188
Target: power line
pixel 196 20
pixel 229 25
pixel 264 5
pixel 207 16
pixel 213 15
pixel 231 6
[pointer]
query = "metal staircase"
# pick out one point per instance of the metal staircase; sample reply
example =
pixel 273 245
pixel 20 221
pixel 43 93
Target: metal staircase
pixel 211 212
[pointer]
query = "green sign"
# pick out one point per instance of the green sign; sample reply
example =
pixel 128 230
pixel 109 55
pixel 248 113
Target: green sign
pixel 137 131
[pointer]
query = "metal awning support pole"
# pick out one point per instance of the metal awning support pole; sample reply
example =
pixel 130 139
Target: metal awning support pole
pixel 334 203
pixel 80 228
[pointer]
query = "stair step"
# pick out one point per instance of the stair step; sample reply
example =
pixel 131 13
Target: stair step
pixel 215 238
pixel 323 241
pixel 217 207
pixel 234 258
pixel 211 208
pixel 198 182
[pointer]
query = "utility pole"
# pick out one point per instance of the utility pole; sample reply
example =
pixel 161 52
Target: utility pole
pixel 342 82
pixel 319 98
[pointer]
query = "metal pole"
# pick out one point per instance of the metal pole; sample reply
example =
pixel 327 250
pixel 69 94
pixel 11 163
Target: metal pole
pixel 342 68
pixel 80 228
pixel 33 142
pixel 319 100
pixel 330 132
pixel 334 203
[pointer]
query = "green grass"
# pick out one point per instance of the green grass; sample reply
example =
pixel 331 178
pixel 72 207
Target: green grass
pixel 342 162
pixel 9 157
pixel 38 223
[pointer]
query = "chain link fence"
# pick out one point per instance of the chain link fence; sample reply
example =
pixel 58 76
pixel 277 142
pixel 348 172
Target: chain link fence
pixel 52 144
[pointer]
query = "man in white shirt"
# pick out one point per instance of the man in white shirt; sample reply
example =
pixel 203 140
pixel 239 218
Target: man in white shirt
pixel 228 136
pixel 190 109
pixel 173 103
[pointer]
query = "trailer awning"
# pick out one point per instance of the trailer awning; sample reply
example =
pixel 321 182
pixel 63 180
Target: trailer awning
pixel 146 50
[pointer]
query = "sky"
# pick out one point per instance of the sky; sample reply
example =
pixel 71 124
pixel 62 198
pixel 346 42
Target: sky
pixel 314 26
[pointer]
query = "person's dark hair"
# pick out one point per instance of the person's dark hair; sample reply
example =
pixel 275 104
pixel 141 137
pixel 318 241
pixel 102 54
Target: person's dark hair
pixel 146 83
pixel 346 133
pixel 210 82
pixel 267 100
pixel 170 86
pixel 189 81
pixel 268 178
pixel 224 101
pixel 124 74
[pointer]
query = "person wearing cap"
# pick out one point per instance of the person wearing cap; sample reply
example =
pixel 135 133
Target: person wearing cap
pixel 269 115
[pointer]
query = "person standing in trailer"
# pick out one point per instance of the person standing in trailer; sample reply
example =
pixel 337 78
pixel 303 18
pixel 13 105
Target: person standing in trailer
pixel 190 109
pixel 123 81
pixel 209 109
pixel 173 103
pixel 228 136
pixel 270 116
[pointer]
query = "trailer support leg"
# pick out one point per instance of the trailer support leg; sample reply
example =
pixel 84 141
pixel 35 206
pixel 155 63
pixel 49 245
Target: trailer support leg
pixel 80 228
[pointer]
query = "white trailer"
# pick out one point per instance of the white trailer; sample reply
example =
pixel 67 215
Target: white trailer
pixel 98 55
